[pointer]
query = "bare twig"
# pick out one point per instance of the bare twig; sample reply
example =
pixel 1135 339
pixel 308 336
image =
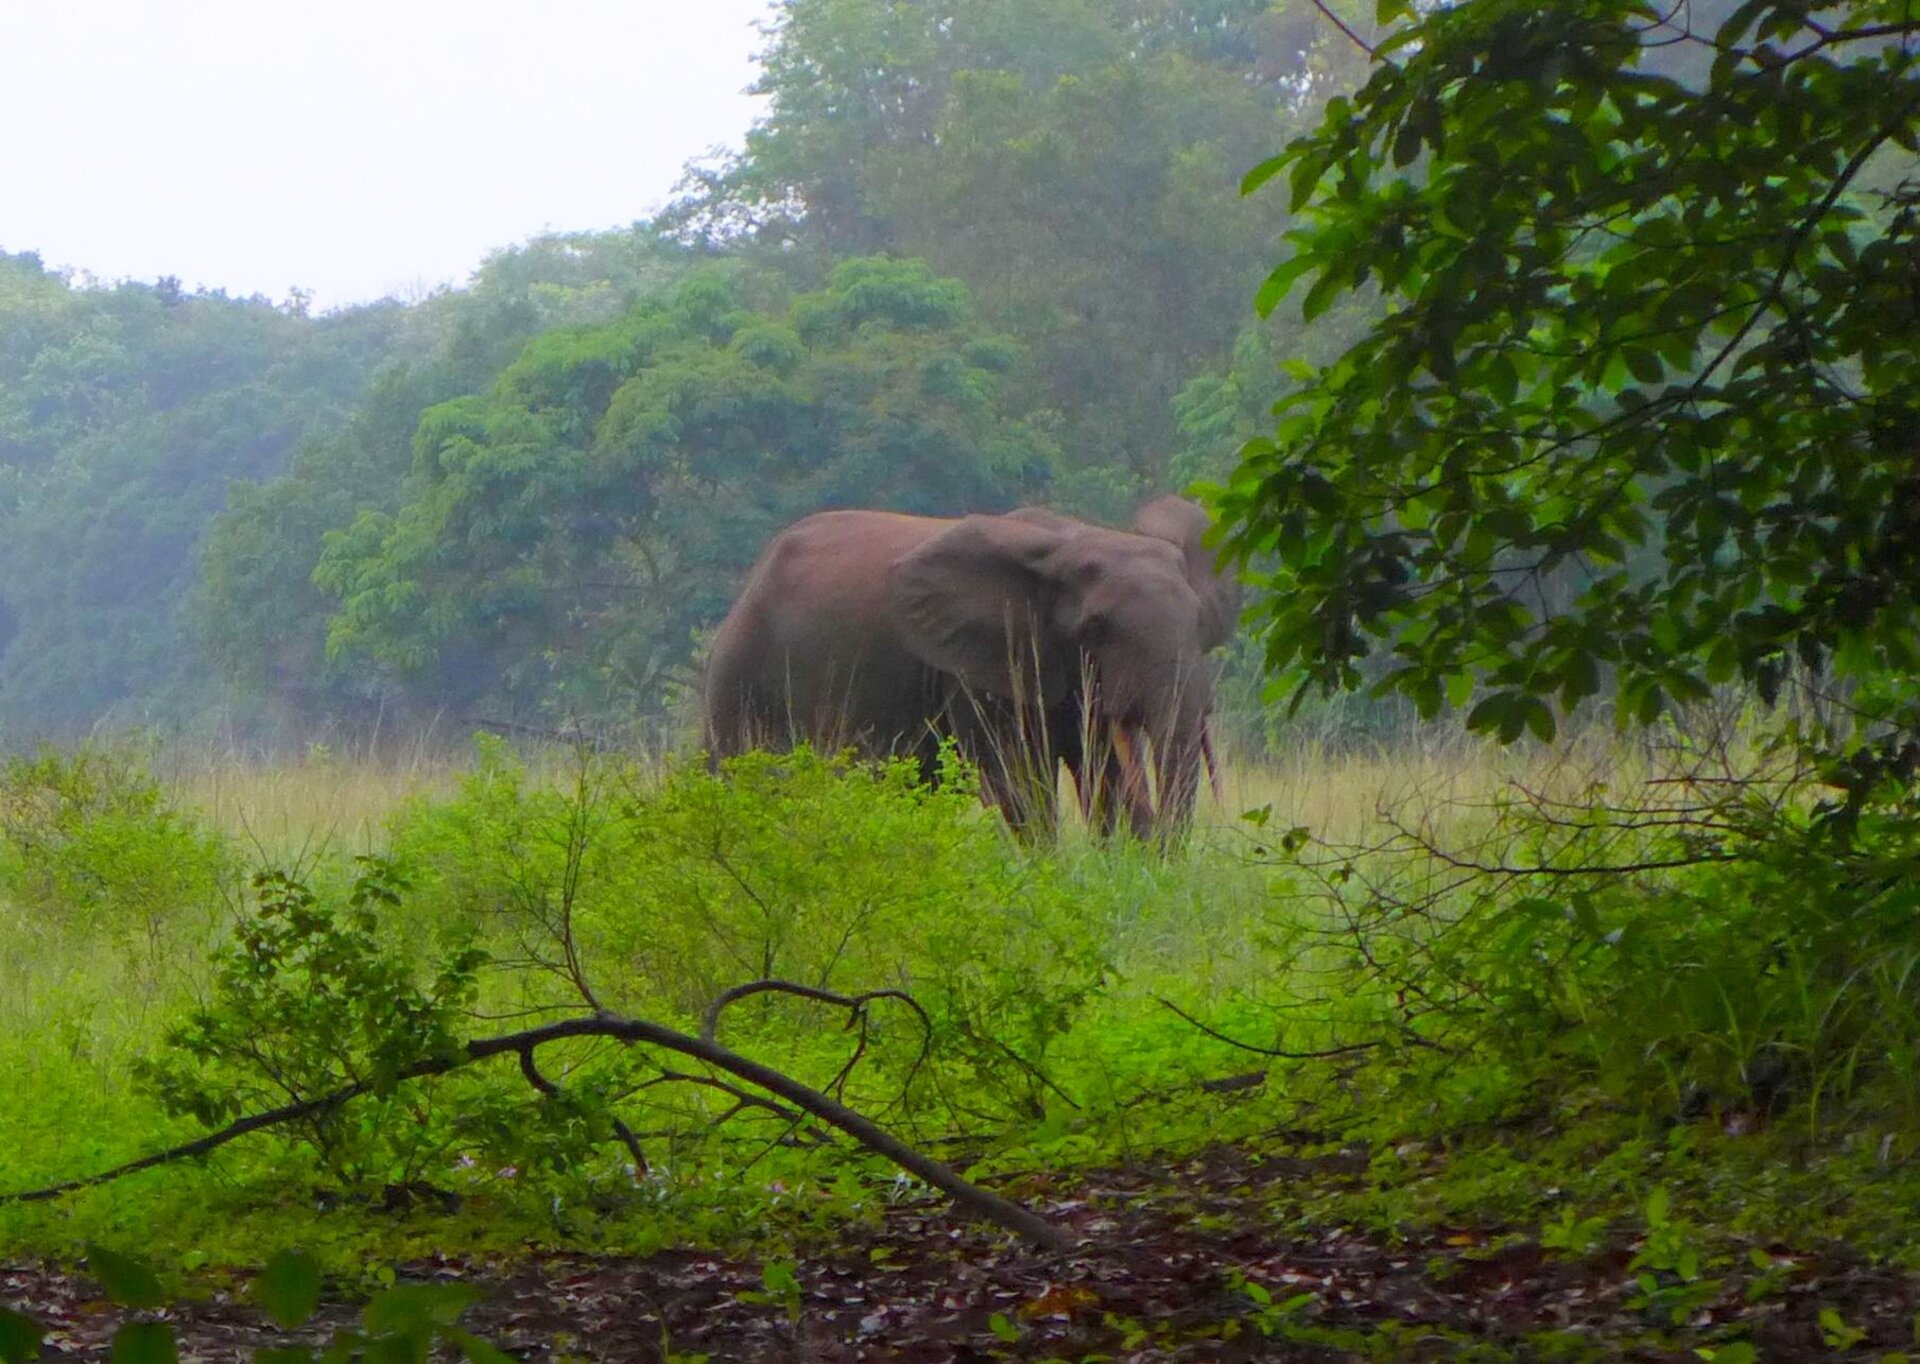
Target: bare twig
pixel 1218 1036
pixel 531 1071
pixel 854 1004
pixel 1341 24
pixel 857 1016
pixel 743 1099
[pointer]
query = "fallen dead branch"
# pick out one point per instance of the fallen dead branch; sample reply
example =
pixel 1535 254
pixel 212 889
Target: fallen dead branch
pixel 969 1196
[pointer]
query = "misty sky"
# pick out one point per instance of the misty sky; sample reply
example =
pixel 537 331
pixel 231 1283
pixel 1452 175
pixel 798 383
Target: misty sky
pixel 357 148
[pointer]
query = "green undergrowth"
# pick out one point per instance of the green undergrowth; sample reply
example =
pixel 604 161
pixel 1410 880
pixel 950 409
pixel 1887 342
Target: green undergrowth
pixel 1547 1049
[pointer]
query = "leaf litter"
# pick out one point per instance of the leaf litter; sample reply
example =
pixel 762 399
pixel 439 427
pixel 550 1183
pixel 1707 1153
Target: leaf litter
pixel 1203 1258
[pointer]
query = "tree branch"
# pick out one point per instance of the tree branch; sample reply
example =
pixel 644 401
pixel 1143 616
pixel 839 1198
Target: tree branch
pixel 1348 1050
pixel 1341 24
pixel 968 1195
pixel 531 1071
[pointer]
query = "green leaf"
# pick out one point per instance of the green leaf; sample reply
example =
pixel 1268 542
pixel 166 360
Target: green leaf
pixel 476 1350
pixel 144 1342
pixel 346 1347
pixel 1491 713
pixel 1503 379
pixel 408 1307
pixel 400 1348
pixel 1264 172
pixel 1580 678
pixel 1656 1208
pixel 1003 1328
pixel 1320 296
pixel 1406 144
pixel 288 1288
pixel 20 1337
pixel 127 1281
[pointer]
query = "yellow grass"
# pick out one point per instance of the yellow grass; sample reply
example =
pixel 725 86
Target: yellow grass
pixel 1340 795
pixel 288 809
pixel 325 800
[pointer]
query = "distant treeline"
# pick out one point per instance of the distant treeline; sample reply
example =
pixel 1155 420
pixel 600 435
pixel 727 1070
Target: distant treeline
pixel 978 252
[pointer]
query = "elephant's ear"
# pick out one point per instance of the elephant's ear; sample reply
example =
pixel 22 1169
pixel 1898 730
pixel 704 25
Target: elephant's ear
pixel 975 601
pixel 1183 524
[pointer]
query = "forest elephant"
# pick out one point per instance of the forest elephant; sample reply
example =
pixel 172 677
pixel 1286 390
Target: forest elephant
pixel 1030 639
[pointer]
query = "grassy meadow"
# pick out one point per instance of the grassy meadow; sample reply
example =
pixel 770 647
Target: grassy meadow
pixel 1359 918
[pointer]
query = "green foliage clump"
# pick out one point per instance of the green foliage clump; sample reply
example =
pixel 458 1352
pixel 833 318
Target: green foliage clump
pixel 124 411
pixel 308 1000
pixel 89 841
pixel 1784 978
pixel 257 614
pixel 559 541
pixel 1074 164
pixel 415 1321
pixel 1743 957
pixel 661 893
pixel 1640 416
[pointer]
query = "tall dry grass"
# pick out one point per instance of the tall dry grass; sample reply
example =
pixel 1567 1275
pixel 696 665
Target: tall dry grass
pixel 289 809
pixel 286 807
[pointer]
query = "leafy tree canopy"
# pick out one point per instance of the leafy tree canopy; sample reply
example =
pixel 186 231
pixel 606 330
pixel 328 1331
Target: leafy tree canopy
pixel 560 538
pixel 257 615
pixel 1644 401
pixel 123 413
pixel 1074 163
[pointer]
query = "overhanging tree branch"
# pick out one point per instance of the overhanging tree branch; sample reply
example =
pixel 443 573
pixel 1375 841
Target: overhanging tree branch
pixel 1341 24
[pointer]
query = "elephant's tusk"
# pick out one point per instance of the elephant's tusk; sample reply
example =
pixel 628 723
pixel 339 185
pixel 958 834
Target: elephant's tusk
pixel 1133 776
pixel 1213 761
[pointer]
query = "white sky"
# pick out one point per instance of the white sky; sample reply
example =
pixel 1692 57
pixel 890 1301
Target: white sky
pixel 357 148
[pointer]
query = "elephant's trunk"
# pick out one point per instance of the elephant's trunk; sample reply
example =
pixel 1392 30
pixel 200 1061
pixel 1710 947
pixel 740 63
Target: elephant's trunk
pixel 1147 744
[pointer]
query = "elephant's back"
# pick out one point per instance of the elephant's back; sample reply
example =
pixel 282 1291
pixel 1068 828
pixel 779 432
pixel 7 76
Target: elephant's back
pixel 811 638
pixel 826 578
pixel 831 537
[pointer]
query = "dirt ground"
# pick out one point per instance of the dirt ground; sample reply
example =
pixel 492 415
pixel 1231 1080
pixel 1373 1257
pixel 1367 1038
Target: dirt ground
pixel 1179 1261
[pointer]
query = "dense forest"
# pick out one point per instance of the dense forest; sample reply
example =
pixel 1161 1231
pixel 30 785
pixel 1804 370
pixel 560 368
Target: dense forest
pixel 972 256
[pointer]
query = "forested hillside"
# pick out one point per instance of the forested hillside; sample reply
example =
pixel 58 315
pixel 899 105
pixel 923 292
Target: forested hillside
pixel 123 414
pixel 127 413
pixel 974 253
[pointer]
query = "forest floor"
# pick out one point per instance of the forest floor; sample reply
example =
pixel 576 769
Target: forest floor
pixel 1200 1258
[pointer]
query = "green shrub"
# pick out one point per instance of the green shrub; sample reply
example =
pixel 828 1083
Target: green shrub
pixel 660 892
pixel 1749 955
pixel 308 1000
pixel 90 841
pixel 1787 976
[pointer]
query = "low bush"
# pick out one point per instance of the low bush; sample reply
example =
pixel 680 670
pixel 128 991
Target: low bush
pixel 1745 952
pixel 655 893
pixel 90 841
pixel 306 1001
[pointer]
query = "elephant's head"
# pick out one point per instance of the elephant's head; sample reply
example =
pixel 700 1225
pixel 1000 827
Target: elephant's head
pixel 1037 609
pixel 1183 525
